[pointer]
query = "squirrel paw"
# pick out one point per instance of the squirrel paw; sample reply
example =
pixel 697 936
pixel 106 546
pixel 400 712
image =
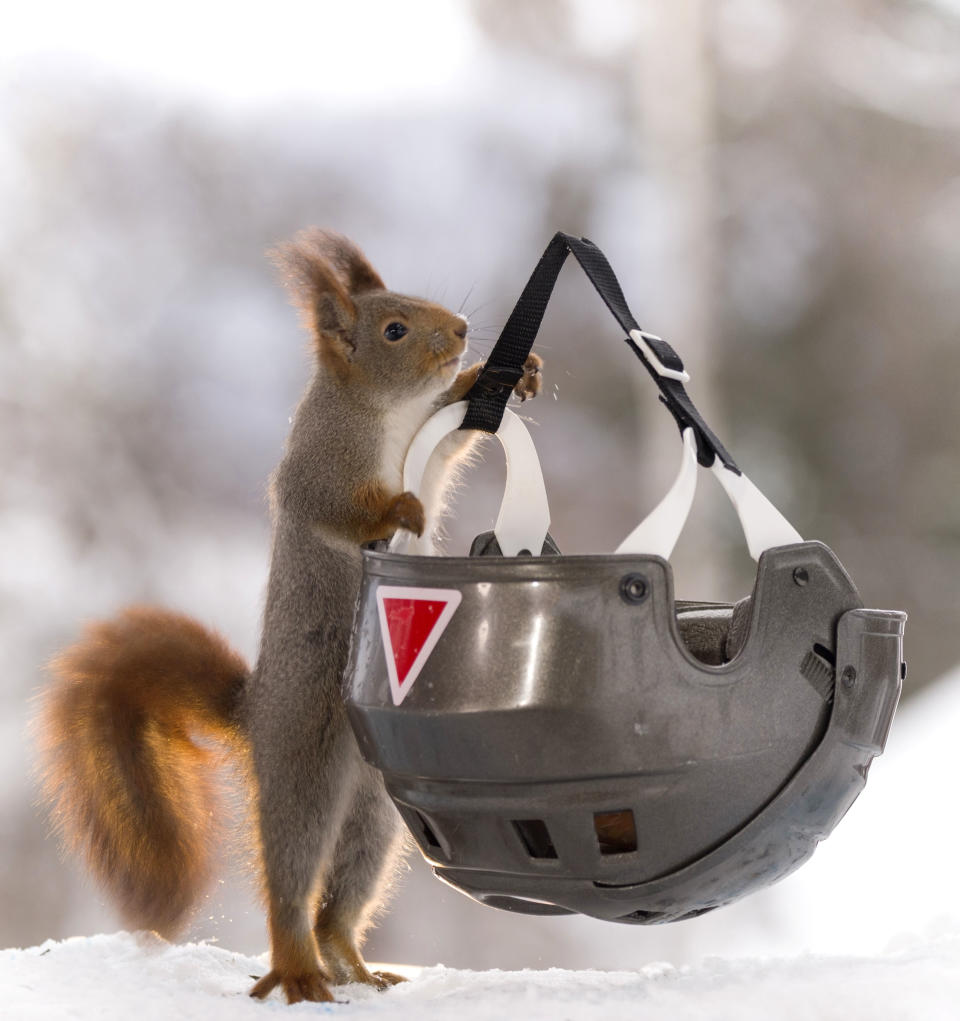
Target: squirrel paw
pixel 529 385
pixel 386 979
pixel 311 986
pixel 406 511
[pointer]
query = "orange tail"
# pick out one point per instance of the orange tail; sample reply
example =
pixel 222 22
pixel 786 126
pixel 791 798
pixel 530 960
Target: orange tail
pixel 128 785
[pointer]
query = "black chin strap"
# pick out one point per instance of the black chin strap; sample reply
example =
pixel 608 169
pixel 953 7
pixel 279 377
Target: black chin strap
pixel 504 368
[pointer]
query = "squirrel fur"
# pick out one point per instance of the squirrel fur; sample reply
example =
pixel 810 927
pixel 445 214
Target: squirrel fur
pixel 128 783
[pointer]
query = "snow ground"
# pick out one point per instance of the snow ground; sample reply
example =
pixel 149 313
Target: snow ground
pixel 123 976
pixel 876 913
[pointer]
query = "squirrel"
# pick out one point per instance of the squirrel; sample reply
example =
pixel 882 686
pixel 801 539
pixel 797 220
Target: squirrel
pixel 129 785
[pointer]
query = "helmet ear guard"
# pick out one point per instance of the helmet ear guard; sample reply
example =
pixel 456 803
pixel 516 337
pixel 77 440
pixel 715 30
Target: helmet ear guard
pixel 574 739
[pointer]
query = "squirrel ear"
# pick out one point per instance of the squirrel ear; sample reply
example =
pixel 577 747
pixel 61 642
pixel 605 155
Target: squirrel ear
pixel 350 264
pixel 317 290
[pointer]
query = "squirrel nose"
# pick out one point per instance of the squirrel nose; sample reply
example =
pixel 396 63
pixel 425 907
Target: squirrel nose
pixel 460 330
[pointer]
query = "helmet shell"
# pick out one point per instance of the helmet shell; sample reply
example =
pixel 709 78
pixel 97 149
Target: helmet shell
pixel 561 750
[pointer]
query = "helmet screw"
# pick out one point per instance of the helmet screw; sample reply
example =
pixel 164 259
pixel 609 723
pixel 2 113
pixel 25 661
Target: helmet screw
pixel 848 677
pixel 801 576
pixel 633 588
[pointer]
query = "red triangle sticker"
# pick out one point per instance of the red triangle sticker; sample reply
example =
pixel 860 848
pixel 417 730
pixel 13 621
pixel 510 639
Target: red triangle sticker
pixel 411 623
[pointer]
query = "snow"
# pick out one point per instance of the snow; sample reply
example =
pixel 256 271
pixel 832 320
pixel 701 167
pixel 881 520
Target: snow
pixel 122 975
pixel 879 904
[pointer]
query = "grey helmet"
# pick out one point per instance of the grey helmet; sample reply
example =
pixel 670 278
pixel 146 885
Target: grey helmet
pixel 561 735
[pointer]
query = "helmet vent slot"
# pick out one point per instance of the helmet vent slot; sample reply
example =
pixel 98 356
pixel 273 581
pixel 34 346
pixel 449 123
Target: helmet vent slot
pixel 535 837
pixel 616 831
pixel 432 840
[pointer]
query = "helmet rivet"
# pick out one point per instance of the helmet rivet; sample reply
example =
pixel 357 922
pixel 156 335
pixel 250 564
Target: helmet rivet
pixel 801 575
pixel 633 588
pixel 848 677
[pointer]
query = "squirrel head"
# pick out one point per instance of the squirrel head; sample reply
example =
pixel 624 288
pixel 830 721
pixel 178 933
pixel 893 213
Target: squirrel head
pixel 364 334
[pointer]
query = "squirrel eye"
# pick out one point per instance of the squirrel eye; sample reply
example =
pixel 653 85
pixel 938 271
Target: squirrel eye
pixel 395 331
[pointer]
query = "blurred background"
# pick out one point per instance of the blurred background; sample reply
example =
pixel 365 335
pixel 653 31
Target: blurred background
pixel 776 184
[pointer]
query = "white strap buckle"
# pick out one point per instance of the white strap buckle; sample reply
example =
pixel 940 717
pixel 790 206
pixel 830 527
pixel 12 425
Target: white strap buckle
pixel 641 338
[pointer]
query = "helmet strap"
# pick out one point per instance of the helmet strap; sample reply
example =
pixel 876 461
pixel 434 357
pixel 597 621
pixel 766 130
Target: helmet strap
pixel 504 368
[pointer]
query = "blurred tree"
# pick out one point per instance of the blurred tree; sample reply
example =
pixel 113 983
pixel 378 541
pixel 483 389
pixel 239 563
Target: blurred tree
pixel 840 154
pixel 818 162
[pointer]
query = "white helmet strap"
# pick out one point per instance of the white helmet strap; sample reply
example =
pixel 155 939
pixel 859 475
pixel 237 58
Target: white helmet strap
pixel 524 511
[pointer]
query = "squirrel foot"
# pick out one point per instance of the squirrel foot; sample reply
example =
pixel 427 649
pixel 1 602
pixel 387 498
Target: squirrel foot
pixel 531 380
pixel 343 962
pixel 386 979
pixel 310 986
pixel 406 511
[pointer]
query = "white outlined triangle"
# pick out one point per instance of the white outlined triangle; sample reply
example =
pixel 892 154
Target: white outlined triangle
pixel 450 597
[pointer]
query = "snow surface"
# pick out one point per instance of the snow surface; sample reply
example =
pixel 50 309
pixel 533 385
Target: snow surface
pixel 879 905
pixel 124 976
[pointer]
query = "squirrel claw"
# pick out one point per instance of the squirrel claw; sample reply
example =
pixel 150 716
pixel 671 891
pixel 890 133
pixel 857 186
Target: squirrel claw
pixel 406 511
pixel 298 988
pixel 530 382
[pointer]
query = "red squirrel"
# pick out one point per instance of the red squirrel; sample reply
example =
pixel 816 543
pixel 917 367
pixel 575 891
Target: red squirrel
pixel 128 784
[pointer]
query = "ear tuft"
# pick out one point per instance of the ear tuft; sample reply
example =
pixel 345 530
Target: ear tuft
pixel 347 261
pixel 319 287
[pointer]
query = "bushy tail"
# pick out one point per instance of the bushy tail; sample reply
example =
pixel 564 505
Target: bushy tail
pixel 128 785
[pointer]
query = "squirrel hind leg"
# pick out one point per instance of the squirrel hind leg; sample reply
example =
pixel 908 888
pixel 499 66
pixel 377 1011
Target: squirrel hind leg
pixel 365 866
pixel 305 776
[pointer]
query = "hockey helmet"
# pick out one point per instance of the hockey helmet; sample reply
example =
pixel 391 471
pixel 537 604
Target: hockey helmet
pixel 560 734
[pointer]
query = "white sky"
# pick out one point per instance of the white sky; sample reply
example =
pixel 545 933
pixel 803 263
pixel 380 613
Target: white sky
pixel 359 53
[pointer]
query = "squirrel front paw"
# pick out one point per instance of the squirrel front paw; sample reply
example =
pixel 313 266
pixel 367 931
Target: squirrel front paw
pixel 529 385
pixel 406 511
